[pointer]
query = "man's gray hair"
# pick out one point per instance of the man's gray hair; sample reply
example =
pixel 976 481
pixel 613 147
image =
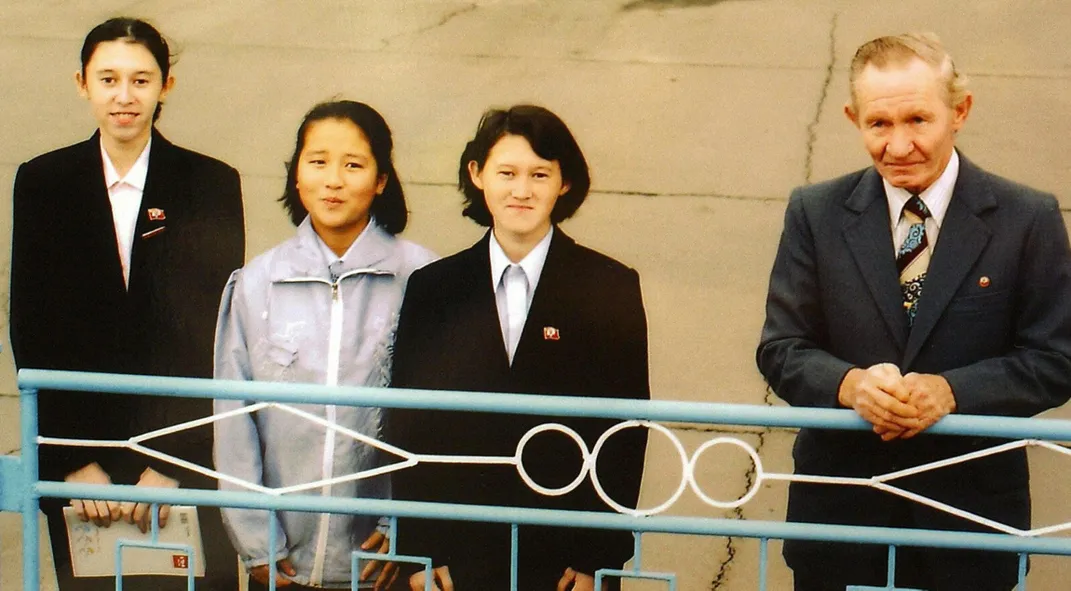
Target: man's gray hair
pixel 900 49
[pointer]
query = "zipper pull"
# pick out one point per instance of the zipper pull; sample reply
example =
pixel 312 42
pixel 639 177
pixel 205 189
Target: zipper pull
pixel 334 291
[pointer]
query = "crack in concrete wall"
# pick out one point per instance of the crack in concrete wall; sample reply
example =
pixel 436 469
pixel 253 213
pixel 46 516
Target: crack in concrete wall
pixel 722 575
pixel 663 4
pixel 446 18
pixel 621 192
pixel 812 127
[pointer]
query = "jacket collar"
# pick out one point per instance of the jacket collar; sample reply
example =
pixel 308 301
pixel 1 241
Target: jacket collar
pixel 373 251
pixel 963 237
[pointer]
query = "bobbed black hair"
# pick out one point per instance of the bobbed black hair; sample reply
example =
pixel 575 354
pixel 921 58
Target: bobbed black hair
pixel 130 30
pixel 549 137
pixel 388 208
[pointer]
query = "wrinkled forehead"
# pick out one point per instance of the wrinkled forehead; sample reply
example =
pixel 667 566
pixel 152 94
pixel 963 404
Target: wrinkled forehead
pixel 912 76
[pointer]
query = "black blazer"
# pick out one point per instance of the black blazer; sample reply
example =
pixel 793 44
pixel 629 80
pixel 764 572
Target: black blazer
pixel 70 309
pixel 994 320
pixel 449 337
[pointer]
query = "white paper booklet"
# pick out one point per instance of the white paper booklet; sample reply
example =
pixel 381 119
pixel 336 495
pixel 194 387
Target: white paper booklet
pixel 93 548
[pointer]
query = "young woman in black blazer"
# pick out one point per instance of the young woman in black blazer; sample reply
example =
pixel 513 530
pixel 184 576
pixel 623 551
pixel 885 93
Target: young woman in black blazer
pixel 121 247
pixel 575 327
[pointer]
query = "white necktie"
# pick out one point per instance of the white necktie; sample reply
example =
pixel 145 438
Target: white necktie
pixel 516 304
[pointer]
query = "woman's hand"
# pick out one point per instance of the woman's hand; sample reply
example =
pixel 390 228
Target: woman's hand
pixel 441 580
pixel 139 512
pixel 260 573
pixel 576 581
pixel 102 513
pixel 379 542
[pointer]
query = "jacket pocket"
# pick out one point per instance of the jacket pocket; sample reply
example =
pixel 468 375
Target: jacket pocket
pixel 980 304
pixel 276 359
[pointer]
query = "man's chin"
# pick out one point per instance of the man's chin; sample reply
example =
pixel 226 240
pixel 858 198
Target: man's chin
pixel 909 183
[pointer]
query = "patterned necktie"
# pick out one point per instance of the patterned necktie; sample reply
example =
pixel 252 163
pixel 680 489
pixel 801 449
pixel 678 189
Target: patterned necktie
pixel 913 257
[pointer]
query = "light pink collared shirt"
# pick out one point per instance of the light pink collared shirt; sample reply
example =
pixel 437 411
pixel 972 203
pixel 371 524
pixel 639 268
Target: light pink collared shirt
pixel 125 196
pixel 515 285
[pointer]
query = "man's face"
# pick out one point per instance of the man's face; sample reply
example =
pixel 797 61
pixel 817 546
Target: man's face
pixel 908 127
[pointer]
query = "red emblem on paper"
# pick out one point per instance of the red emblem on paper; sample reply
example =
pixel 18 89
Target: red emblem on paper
pixel 180 560
pixel 551 334
pixel 156 214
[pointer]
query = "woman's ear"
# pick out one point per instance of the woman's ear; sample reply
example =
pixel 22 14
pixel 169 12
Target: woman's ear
pixel 80 81
pixel 166 87
pixel 474 174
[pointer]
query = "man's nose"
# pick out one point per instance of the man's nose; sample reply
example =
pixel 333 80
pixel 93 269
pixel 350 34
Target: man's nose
pixel 901 143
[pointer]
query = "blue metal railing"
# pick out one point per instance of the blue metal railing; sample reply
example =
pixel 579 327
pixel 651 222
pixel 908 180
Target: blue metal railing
pixel 24 492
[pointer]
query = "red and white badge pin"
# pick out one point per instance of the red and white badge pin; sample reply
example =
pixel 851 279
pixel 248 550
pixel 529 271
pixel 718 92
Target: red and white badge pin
pixel 551 334
pixel 156 214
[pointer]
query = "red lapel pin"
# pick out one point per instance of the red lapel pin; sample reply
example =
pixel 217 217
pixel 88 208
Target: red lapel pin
pixel 551 334
pixel 156 214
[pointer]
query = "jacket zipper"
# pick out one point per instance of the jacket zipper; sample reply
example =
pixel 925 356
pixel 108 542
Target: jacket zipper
pixel 334 353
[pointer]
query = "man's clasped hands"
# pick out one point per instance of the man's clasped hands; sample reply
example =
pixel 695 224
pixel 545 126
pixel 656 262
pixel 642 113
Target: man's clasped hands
pixel 898 406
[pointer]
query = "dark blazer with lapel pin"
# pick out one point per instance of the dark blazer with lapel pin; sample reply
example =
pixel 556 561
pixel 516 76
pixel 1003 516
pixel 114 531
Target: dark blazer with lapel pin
pixel 70 309
pixel 994 320
pixel 449 337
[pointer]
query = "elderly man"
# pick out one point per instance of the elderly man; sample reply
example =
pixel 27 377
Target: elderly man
pixel 914 288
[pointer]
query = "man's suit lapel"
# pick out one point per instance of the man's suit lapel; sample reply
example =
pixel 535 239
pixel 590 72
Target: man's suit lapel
pixel 165 182
pixel 869 239
pixel 961 241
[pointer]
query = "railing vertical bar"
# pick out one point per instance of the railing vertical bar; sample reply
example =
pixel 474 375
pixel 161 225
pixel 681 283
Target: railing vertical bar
pixel 891 582
pixel 637 550
pixel 763 543
pixel 31 567
pixel 272 540
pixel 191 567
pixel 1023 557
pixel 155 517
pixel 392 536
pixel 513 548
pixel 118 565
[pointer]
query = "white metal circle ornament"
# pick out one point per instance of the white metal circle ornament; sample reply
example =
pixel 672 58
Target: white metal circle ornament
pixel 552 492
pixel 637 511
pixel 727 441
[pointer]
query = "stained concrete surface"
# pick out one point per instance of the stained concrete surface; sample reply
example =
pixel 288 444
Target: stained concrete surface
pixel 697 117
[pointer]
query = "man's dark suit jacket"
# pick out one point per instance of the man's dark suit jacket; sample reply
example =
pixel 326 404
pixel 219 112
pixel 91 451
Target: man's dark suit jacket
pixel 70 309
pixel 994 320
pixel 449 338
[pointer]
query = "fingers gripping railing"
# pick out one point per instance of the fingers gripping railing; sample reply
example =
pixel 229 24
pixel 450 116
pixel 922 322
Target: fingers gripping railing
pixel 23 493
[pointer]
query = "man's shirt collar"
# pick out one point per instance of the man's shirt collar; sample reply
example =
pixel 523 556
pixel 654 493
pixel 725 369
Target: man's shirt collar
pixel 936 197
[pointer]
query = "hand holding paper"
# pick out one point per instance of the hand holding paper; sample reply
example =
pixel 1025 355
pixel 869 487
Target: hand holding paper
pixel 138 513
pixel 102 513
